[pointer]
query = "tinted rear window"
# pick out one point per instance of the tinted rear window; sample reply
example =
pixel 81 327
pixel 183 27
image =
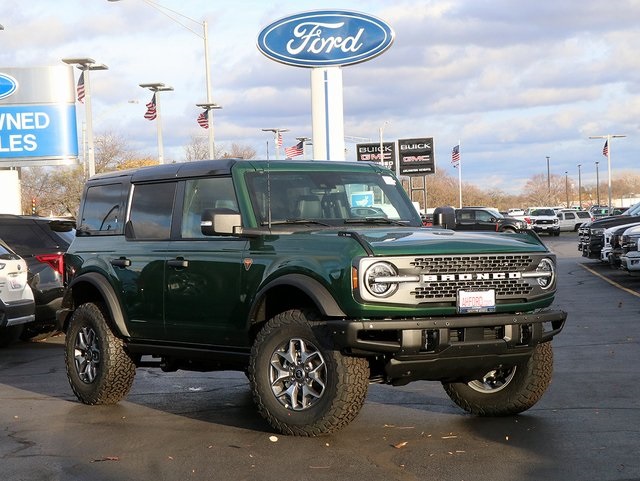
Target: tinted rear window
pixel 28 237
pixel 103 210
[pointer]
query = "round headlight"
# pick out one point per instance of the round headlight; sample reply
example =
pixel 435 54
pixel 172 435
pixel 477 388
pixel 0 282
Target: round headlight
pixel 547 268
pixel 377 279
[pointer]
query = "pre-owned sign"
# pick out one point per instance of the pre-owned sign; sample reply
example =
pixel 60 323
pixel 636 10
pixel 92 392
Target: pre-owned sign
pixel 416 156
pixel 37 116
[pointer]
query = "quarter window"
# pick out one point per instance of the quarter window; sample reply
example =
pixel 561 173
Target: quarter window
pixel 102 212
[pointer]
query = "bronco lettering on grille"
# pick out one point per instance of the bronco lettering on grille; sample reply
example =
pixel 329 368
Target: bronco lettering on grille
pixel 478 276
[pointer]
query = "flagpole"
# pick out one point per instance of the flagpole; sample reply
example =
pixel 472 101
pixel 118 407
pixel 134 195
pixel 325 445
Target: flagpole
pixel 460 176
pixel 156 88
pixel 608 138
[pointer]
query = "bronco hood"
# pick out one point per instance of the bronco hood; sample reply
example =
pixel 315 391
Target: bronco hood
pixel 416 241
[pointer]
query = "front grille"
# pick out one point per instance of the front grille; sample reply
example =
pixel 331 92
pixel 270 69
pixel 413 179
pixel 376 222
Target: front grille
pixel 543 222
pixel 447 291
pixel 473 264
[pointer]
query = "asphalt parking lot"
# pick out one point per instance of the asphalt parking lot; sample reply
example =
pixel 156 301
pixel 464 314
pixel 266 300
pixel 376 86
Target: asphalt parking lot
pixel 204 426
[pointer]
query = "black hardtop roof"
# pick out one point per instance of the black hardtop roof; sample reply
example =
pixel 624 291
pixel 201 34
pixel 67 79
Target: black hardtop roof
pixel 203 168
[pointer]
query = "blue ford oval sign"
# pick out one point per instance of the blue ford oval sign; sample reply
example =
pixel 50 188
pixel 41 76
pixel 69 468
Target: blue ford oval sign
pixel 8 85
pixel 325 38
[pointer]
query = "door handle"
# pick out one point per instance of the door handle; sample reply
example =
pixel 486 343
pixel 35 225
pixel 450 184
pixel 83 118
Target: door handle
pixel 121 262
pixel 178 262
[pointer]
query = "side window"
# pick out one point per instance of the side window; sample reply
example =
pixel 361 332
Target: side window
pixel 102 212
pixel 151 208
pixel 204 194
pixel 483 216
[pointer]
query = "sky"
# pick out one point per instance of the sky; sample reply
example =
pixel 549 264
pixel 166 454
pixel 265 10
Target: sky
pixel 512 81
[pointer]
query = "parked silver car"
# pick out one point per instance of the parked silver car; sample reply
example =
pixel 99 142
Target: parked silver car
pixel 17 306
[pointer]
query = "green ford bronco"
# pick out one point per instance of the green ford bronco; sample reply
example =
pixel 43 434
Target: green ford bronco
pixel 314 278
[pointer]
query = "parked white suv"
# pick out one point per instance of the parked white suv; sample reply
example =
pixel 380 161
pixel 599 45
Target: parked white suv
pixel 16 297
pixel 571 219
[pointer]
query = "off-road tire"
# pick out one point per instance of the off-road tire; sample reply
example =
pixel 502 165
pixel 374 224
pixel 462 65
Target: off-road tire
pixel 335 402
pixel 98 368
pixel 523 387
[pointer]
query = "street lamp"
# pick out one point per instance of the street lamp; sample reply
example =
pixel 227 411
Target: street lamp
pixel 208 108
pixel 579 187
pixel 597 185
pixel 608 154
pixel 566 186
pixel 156 87
pixel 204 36
pixel 86 65
pixel 276 138
pixel 304 141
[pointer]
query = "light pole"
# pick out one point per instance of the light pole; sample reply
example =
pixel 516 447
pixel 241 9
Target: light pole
pixel 608 154
pixel 277 139
pixel 381 131
pixel 156 87
pixel 548 179
pixel 597 184
pixel 304 141
pixel 86 65
pixel 579 187
pixel 204 36
pixel 566 186
pixel 208 108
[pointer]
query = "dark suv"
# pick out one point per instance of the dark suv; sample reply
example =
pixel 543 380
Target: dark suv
pixel 485 218
pixel 313 277
pixel 41 242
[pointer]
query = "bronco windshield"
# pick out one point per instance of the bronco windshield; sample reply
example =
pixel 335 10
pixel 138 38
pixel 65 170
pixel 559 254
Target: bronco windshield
pixel 331 198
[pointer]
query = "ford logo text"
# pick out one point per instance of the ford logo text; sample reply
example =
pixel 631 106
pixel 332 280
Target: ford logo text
pixel 325 38
pixel 8 85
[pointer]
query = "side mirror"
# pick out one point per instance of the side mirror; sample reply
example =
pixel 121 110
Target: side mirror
pixel 220 221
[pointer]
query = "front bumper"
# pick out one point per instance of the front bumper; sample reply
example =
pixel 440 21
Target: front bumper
pixel 448 348
pixel 630 263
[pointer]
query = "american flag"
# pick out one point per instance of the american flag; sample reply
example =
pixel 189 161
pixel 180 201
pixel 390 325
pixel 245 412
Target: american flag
pixel 455 155
pixel 278 139
pixel 294 150
pixel 203 120
pixel 151 112
pixel 605 149
pixel 80 88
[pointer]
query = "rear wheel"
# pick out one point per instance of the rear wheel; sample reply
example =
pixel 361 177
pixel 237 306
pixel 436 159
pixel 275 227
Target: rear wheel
pixel 301 384
pixel 508 389
pixel 99 370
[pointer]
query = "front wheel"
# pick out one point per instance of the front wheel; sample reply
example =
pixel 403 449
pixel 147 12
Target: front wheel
pixel 301 384
pixel 99 370
pixel 508 389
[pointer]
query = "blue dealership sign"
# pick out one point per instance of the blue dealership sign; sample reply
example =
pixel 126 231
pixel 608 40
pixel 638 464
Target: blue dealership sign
pixel 38 132
pixel 325 38
pixel 37 117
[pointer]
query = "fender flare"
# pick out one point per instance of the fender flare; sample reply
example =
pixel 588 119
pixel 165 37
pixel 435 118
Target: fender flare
pixel 107 292
pixel 315 290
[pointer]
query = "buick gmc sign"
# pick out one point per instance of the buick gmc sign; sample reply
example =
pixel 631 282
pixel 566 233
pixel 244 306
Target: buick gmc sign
pixel 325 38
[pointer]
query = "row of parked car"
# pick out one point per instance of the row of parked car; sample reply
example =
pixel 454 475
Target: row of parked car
pixel 540 219
pixel 31 268
pixel 613 239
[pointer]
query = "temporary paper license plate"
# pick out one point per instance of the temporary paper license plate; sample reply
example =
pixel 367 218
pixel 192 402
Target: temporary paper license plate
pixel 476 301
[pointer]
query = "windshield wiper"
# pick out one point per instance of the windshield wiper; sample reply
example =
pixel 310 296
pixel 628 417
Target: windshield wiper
pixel 294 221
pixel 376 220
